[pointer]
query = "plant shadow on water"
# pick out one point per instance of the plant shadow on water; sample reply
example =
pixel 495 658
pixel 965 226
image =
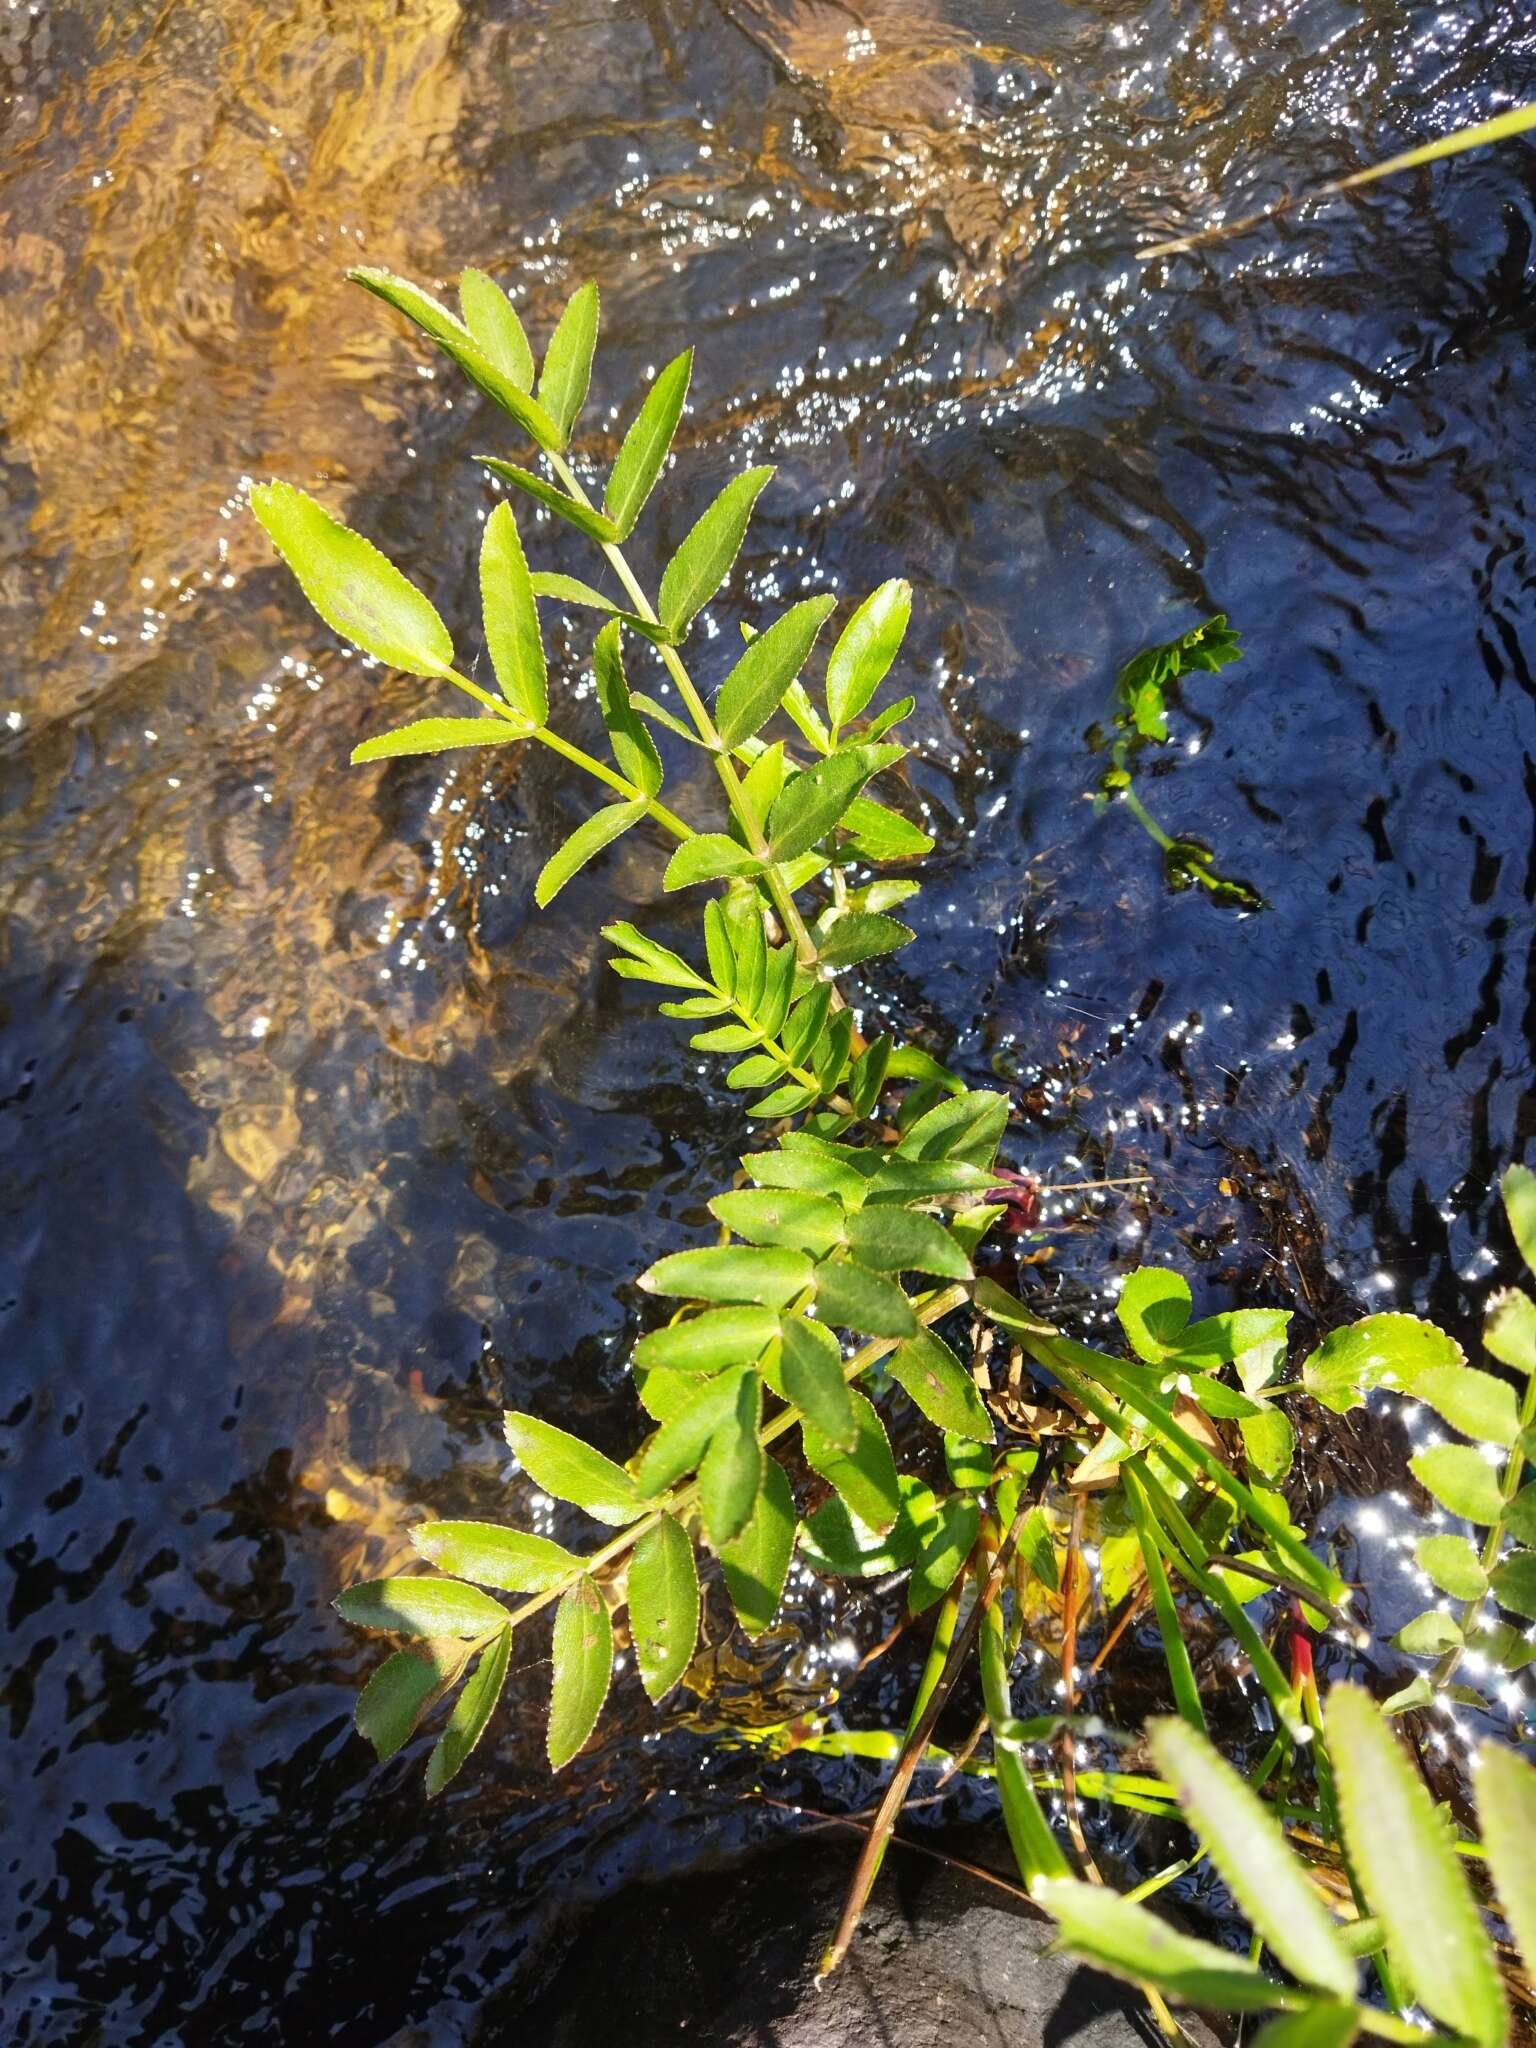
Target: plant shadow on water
pixel 322 1145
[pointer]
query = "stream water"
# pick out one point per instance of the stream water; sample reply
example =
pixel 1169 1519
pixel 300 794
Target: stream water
pixel 321 1145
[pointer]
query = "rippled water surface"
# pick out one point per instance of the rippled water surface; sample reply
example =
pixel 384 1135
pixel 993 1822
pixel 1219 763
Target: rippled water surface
pixel 321 1145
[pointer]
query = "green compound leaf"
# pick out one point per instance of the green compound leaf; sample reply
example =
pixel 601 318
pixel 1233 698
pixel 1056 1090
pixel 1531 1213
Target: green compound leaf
pixel 941 1387
pixel 710 1342
pixel 639 461
pixel 756 1560
pixel 471 1711
pixel 1125 1939
pixel 1518 1187
pixel 708 857
pixel 498 332
pixel 865 649
pixel 1379 1351
pixel 456 341
pixel 731 1273
pixel 512 636
pixel 634 751
pixel 595 525
pixel 567 370
pixel 663 1606
pixel 813 802
pixel 704 560
pixel 1475 1403
pixel 864 1477
pixel 861 935
pixel 684 1438
pixel 589 838
pixel 1453 1564
pixel 904 1241
pixel 1514 1583
pixel 731 1470
pixel 851 1297
pixel 357 592
pixel 755 687
pixel 1400 1849
pixel 782 1216
pixel 1248 1848
pixel 1506 1812
pixel 420 1607
pixel 1461 1479
pixel 403 1691
pixel 491 1555
pixel 942 1558
pixel 437 736
pixel 583 1664
pixel 571 1470
pixel 811 1368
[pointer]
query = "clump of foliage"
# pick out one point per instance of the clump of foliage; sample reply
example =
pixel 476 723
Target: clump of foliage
pixel 844 1265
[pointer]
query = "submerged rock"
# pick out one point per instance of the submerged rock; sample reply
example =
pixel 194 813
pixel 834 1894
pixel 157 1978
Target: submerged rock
pixel 728 1958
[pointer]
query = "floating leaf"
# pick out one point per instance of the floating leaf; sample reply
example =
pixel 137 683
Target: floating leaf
pixel 571 1470
pixel 567 370
pixel 1246 1844
pixel 491 1555
pixel 595 525
pixel 420 1607
pixel 1506 1810
pixel 1514 1583
pixel 498 332
pixel 1399 1848
pixel 751 693
pixel 663 1606
pixel 639 461
pixel 1461 1479
pixel 351 585
pixel 1453 1565
pixel 853 1298
pixel 814 801
pixel 589 838
pixel 1116 1935
pixel 942 1558
pixel 512 635
pixel 756 1560
pixel 583 1664
pixel 471 1711
pixel 437 736
pixel 709 1342
pixel 904 1241
pixel 1388 1350
pixel 704 560
pixel 811 1368
pixel 634 751
pixel 941 1387
pixel 731 1273
pixel 392 1705
pixel 865 1477
pixel 865 649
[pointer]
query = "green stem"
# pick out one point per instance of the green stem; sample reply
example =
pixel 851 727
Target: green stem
pixel 1181 1671
pixel 1035 1849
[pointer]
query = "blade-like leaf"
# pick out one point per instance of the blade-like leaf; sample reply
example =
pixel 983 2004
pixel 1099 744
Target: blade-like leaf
pixel 940 1386
pixel 751 693
pixel 663 1606
pixel 853 1298
pixel 498 332
pixel 582 1649
pixel 639 461
pixel 471 1711
pixel 589 838
pixel 1506 1810
pixel 1125 1939
pixel 1400 1851
pixel 438 736
pixel 1461 1479
pixel 571 1470
pixel 595 525
pixel 704 560
pixel 731 1273
pixel 512 635
pixel 420 1607
pixel 351 585
pixel 710 1342
pixel 392 1705
pixel 813 802
pixel 490 1555
pixel 811 1368
pixel 634 751
pixel 895 1240
pixel 455 340
pixel 865 649
pixel 567 370
pixel 1245 1843
pixel 731 1470
pixel 756 1561
pixel 880 833
pixel 865 1477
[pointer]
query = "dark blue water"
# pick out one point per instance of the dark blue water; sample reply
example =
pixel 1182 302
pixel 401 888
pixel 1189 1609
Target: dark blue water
pixel 321 1145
